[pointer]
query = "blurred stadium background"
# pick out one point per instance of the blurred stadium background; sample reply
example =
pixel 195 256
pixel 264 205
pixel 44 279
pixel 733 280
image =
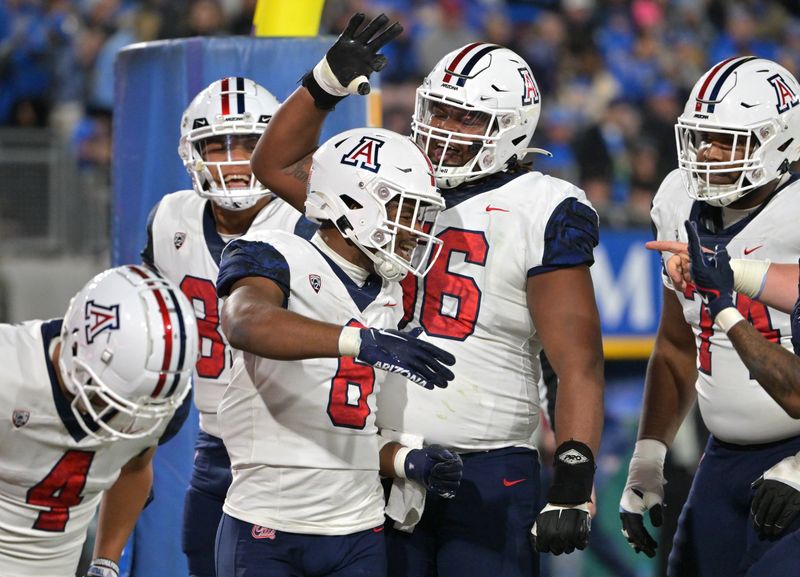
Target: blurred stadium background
pixel 613 74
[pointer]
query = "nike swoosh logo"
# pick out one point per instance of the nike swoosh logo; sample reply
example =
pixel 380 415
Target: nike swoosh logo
pixel 749 250
pixel 390 305
pixel 406 170
pixel 490 208
pixel 508 483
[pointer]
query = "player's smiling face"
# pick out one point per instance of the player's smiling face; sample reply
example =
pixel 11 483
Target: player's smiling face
pixel 718 147
pixel 405 240
pixel 233 152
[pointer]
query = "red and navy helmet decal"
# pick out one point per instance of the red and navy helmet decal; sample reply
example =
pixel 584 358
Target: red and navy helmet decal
pixel 365 154
pixel 232 96
pixel 100 318
pixel 787 98
pixel 462 65
pixel 530 93
pixel 171 361
pixel 709 94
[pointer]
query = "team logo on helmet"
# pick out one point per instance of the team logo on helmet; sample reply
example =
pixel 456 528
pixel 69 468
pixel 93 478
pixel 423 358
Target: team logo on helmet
pixel 530 94
pixel 259 532
pixel 787 98
pixel 100 318
pixel 315 281
pixel 364 154
pixel 178 239
pixel 20 417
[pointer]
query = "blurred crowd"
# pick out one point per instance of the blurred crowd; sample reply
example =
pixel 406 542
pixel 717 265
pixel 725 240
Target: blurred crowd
pixel 614 74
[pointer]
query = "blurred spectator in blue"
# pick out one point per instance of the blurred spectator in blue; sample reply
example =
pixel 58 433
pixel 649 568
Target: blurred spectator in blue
pixel 555 133
pixel 588 88
pixel 541 43
pixel 91 140
pixel 444 30
pixel 662 107
pixel 739 37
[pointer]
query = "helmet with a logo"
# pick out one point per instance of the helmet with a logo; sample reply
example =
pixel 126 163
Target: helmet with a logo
pixel 230 113
pixel 128 347
pixel 753 104
pixel 491 87
pixel 355 175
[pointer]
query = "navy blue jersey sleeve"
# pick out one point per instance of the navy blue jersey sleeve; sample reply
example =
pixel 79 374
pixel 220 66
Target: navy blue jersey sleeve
pixel 304 228
pixel 569 237
pixel 242 259
pixel 147 254
pixel 177 420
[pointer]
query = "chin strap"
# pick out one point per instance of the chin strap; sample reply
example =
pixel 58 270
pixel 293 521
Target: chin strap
pixel 541 151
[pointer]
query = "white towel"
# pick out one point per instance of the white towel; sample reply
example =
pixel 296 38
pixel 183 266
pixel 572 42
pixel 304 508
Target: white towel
pixel 406 498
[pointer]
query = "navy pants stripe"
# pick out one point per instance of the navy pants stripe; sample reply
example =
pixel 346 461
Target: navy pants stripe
pixel 202 509
pixel 483 531
pixel 715 535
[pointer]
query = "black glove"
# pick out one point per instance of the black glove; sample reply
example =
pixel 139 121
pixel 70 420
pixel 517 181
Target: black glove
pixel 346 67
pixel 712 275
pixel 564 524
pixel 435 468
pixel 419 361
pixel 776 503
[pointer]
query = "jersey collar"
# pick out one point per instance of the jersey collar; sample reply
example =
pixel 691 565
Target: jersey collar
pixel 462 192
pixel 361 295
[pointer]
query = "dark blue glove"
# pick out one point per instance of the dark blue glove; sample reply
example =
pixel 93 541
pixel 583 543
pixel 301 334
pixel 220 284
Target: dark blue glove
pixel 713 276
pixel 436 468
pixel 419 361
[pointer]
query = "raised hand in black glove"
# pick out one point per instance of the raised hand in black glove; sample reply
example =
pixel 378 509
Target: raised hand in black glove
pixel 564 524
pixel 346 67
pixel 712 274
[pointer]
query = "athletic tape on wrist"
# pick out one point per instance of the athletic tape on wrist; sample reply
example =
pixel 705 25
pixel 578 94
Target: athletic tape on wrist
pixel 400 462
pixel 727 318
pixel 749 276
pixel 350 342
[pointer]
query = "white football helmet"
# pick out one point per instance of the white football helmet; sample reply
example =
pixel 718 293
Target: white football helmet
pixel 354 175
pixel 229 112
pixel 753 102
pixel 493 85
pixel 128 347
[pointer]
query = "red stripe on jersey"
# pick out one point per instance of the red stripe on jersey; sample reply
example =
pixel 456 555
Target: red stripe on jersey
pixel 458 59
pixel 225 98
pixel 703 88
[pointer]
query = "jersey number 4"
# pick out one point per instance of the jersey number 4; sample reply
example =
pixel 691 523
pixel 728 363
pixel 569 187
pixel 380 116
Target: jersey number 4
pixel 59 490
pixel 212 346
pixel 451 301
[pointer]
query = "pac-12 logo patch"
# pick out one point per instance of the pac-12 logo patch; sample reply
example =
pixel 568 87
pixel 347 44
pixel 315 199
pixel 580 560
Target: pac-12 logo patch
pixel 20 417
pixel 315 281
pixel 787 98
pixel 100 318
pixel 259 532
pixel 178 239
pixel 364 154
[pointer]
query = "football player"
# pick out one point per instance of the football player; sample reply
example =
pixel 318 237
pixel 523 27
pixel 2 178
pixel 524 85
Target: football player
pixel 314 319
pixel 88 398
pixel 737 136
pixel 513 278
pixel 186 233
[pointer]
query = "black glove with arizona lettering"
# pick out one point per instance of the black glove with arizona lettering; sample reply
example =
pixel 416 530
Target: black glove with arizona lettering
pixel 396 352
pixel 346 67
pixel 776 503
pixel 712 274
pixel 103 568
pixel 435 468
pixel 564 523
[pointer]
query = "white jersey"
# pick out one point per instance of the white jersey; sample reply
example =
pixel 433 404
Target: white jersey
pixel 473 303
pixel 301 435
pixel 52 474
pixel 184 245
pixel 734 406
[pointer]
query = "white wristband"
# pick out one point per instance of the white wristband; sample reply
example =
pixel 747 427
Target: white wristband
pixel 727 318
pixel 327 79
pixel 749 276
pixel 102 567
pixel 650 450
pixel 400 462
pixel 350 342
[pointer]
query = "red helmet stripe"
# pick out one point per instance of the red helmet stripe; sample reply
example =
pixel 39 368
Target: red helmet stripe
pixel 225 97
pixel 702 93
pixel 458 59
